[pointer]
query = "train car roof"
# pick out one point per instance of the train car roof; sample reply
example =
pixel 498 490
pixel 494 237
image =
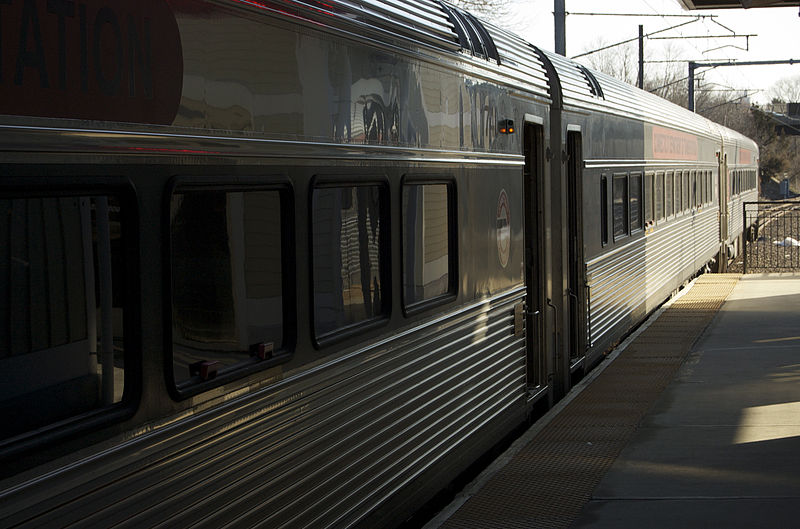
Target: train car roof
pixel 583 88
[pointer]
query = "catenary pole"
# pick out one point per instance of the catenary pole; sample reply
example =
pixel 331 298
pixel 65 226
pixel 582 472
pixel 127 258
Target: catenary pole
pixel 640 83
pixel 560 15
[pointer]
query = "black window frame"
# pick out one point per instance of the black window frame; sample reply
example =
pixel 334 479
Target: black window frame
pixel 321 181
pixel 669 195
pixel 604 210
pixel 660 182
pixel 618 235
pixel 30 182
pixel 638 225
pixel 282 353
pixel 411 309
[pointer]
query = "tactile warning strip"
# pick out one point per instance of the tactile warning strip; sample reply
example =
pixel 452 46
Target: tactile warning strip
pixel 549 480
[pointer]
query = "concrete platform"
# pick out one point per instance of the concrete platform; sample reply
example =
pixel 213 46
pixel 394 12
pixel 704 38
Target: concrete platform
pixel 721 446
pixel 694 423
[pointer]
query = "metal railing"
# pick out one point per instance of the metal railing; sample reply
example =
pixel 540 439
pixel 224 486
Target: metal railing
pixel 771 236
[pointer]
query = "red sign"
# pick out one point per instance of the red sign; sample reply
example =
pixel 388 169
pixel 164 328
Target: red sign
pixel 745 156
pixel 670 144
pixel 90 59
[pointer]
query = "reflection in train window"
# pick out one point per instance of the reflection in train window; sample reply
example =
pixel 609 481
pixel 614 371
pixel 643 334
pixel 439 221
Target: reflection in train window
pixel 620 205
pixel 701 188
pixel 62 272
pixel 635 192
pixel 659 191
pixel 227 297
pixel 685 191
pixel 427 236
pixel 348 256
pixel 669 204
pixel 649 198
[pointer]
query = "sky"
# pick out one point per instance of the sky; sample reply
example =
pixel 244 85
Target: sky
pixel 777 30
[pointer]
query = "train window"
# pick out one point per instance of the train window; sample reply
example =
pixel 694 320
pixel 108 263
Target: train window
pixel 693 189
pixel 620 205
pixel 428 235
pixel 649 198
pixel 685 191
pixel 659 195
pixel 676 201
pixel 63 299
pixel 350 254
pixel 678 195
pixel 710 177
pixel 701 188
pixel 635 200
pixel 227 263
pixel 604 210
pixel 668 194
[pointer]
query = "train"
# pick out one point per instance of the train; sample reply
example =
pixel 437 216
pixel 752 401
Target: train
pixel 299 263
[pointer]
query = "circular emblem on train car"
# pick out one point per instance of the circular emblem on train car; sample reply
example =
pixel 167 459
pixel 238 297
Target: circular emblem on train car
pixel 93 59
pixel 503 228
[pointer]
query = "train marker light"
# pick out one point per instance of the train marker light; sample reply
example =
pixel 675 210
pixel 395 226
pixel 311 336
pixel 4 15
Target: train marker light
pixel 507 126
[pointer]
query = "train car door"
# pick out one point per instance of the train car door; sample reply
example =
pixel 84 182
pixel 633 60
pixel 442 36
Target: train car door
pixel 575 279
pixel 533 140
pixel 722 265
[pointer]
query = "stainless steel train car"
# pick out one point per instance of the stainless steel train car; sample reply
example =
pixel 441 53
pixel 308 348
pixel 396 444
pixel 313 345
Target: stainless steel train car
pixel 279 263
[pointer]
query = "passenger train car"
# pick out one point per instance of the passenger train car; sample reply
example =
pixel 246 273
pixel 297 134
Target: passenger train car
pixel 279 263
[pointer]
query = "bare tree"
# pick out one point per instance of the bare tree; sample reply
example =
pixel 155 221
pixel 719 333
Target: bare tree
pixel 492 10
pixel 787 90
pixel 620 61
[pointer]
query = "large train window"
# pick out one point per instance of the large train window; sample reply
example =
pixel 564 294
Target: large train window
pixel 65 273
pixel 649 198
pixel 659 192
pixel 428 242
pixel 669 197
pixel 693 189
pixel 619 193
pixel 678 192
pixel 230 281
pixel 350 237
pixel 635 200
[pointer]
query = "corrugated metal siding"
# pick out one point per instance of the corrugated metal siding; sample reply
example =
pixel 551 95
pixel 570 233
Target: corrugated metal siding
pixel 634 275
pixel 617 287
pixel 736 214
pixel 320 450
